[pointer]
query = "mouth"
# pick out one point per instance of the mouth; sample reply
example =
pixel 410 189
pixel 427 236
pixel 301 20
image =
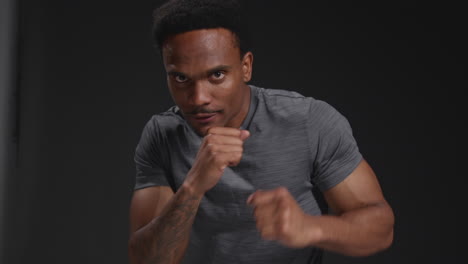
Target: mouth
pixel 203 118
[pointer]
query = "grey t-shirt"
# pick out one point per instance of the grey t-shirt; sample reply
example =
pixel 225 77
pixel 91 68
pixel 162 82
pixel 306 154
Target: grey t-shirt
pixel 297 142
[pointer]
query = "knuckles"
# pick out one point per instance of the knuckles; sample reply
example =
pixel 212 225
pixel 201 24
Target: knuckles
pixel 283 228
pixel 279 224
pixel 209 140
pixel 212 148
pixel 237 156
pixel 282 192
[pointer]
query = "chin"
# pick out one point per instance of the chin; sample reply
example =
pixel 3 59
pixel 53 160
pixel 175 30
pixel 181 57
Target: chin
pixel 201 131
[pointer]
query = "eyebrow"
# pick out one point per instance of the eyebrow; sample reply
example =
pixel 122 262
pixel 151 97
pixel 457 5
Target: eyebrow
pixel 210 71
pixel 219 68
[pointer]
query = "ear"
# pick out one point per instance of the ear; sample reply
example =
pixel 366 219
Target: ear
pixel 247 62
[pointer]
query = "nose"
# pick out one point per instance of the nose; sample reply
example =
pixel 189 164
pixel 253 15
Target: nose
pixel 200 95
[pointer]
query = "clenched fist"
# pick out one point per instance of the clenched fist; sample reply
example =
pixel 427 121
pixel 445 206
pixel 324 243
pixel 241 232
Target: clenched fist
pixel 279 217
pixel 221 147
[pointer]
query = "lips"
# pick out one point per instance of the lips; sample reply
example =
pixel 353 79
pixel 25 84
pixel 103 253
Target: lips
pixel 203 118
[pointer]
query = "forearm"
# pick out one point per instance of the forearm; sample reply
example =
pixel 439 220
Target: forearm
pixel 165 238
pixel 360 232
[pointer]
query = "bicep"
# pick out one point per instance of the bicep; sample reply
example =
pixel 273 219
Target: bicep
pixel 360 189
pixel 146 204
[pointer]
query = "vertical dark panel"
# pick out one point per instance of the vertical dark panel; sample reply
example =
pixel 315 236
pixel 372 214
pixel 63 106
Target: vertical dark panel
pixel 7 106
pixel 87 89
pixel 23 189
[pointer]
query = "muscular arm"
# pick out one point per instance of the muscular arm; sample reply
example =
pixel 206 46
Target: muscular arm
pixel 160 224
pixel 362 223
pixel 363 220
pixel 160 220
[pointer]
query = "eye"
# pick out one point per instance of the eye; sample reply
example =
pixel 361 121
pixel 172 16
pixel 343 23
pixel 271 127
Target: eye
pixel 180 78
pixel 218 75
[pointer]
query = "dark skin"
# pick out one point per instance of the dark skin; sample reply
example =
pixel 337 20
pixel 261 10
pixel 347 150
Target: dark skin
pixel 207 78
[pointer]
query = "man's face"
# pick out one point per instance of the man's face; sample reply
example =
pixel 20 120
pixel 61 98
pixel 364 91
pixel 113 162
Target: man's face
pixel 207 78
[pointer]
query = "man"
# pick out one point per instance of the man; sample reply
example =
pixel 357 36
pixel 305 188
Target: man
pixel 235 173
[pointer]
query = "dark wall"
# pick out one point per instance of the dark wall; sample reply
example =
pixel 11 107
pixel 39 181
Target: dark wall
pixel 90 79
pixel 7 103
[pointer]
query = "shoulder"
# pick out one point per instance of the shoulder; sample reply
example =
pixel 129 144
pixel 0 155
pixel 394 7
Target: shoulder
pixel 160 126
pixel 281 103
pixel 323 112
pixel 291 106
pixel 165 121
pixel 275 96
pixel 292 102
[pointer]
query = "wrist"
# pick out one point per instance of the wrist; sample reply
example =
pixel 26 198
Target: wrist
pixel 192 189
pixel 315 231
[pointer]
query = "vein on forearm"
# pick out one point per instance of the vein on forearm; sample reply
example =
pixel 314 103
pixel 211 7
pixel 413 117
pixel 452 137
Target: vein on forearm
pixel 165 238
pixel 362 231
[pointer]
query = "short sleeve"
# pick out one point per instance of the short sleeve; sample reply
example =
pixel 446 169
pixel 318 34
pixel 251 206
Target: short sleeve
pixel 148 158
pixel 337 153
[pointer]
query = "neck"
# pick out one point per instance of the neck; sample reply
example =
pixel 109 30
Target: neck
pixel 237 121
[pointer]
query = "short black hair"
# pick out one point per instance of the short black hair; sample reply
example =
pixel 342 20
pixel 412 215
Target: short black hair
pixel 179 16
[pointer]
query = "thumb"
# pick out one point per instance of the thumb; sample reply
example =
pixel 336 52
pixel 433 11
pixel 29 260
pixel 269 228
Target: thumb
pixel 244 134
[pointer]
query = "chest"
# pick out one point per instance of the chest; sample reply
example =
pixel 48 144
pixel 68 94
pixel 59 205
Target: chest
pixel 269 161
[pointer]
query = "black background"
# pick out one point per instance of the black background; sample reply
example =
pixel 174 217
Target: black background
pixel 89 79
